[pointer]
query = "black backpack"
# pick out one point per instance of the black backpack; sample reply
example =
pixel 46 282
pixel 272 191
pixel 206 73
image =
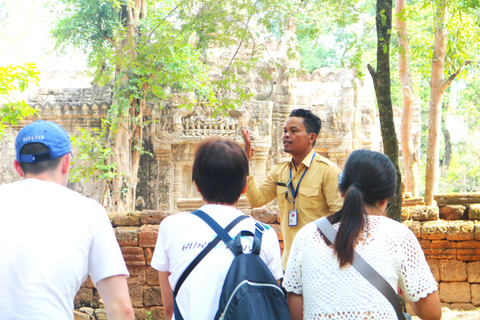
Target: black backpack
pixel 250 291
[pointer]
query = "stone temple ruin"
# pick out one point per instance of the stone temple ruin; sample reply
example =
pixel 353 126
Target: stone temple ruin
pixel 345 104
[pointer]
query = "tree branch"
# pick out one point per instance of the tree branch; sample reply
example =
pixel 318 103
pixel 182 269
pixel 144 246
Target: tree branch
pixel 373 73
pixel 452 77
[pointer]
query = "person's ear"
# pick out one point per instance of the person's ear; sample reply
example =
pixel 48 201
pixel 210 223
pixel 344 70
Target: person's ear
pixel 17 167
pixel 312 138
pixel 66 163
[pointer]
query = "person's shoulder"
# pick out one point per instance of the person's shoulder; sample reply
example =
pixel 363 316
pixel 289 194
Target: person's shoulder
pixel 394 227
pixel 321 159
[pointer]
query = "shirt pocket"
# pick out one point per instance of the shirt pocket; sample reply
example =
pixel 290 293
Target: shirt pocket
pixel 281 191
pixel 309 197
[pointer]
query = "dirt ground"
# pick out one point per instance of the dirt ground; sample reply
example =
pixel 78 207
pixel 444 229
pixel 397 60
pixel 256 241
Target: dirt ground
pixel 448 314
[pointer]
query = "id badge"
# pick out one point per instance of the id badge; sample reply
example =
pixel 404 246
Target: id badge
pixel 292 218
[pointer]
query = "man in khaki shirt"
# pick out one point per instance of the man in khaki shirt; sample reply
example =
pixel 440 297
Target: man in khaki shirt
pixel 306 185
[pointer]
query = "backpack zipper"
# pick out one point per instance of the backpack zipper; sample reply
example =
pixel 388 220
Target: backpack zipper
pixel 222 316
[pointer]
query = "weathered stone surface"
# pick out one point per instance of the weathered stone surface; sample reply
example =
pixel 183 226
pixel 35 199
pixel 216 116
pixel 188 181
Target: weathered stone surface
pixel 474 212
pixel 452 270
pixel 135 287
pixel 126 219
pixel 148 235
pixel 157 313
pixel 148 254
pixel 455 292
pixel 415 226
pixel 137 271
pixel 152 277
pixel 133 256
pixel 434 230
pixel 127 236
pixel 413 201
pixel 151 217
pixel 152 296
pixel 405 213
pixel 264 215
pixel 423 213
pixel 473 272
pixel 442 249
pixel 477 230
pixel 463 307
pixel 457 198
pixel 452 212
pixel 475 291
pixel 84 298
pixel 434 267
pixel 88 283
pixel 142 314
pixel 460 230
pixel 101 314
pixel 468 250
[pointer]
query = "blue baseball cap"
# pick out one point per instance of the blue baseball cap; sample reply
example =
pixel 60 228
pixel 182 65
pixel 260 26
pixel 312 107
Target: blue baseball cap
pixel 50 134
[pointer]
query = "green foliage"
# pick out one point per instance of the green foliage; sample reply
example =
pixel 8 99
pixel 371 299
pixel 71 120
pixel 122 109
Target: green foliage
pixel 92 158
pixel 15 79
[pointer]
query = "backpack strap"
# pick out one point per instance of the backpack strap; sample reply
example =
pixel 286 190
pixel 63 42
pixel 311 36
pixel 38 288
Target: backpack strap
pixel 366 270
pixel 196 261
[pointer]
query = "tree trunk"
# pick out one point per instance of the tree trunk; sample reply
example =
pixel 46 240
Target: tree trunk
pixel 437 88
pixel 128 135
pixel 410 158
pixel 381 80
pixel 447 155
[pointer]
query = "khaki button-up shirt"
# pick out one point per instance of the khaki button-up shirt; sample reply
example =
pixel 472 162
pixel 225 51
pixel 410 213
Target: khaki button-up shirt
pixel 318 194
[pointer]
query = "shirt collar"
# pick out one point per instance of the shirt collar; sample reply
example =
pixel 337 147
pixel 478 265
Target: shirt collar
pixel 306 161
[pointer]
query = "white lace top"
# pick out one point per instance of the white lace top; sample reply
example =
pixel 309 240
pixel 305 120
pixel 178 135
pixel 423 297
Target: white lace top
pixel 333 293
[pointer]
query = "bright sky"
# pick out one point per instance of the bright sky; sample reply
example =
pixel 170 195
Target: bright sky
pixel 25 37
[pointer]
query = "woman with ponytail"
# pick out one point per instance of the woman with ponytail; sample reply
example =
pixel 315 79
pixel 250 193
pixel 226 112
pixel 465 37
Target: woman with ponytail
pixel 320 279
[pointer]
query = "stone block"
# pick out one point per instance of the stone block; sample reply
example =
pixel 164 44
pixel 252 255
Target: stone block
pixel 157 313
pixel 133 256
pixel 152 277
pixel 434 267
pixel 442 249
pixel 127 236
pixel 89 311
pixel 415 226
pixel 468 250
pixel 474 212
pixel 148 254
pixel 477 230
pixel 100 314
pixel 151 217
pixel 141 314
pixel 455 292
pixel 434 230
pixel 406 213
pixel 135 287
pixel 475 291
pixel 460 230
pixel 152 296
pixel 84 298
pixel 463 306
pixel 264 215
pixel 423 213
pixel 127 219
pixel 473 272
pixel 137 271
pixel 148 235
pixel 453 212
pixel 452 270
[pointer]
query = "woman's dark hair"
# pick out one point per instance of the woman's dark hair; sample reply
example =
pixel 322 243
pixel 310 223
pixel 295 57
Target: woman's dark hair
pixel 368 176
pixel 220 170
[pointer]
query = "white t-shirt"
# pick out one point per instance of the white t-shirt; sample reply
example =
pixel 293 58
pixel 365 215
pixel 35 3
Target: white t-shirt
pixel 183 236
pixel 333 293
pixel 51 238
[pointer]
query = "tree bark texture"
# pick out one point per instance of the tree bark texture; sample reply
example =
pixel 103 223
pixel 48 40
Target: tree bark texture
pixel 381 80
pixel 409 150
pixel 128 136
pixel 437 88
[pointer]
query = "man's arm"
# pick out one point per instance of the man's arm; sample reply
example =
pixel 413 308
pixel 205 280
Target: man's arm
pixel 167 294
pixel 115 296
pixel 330 189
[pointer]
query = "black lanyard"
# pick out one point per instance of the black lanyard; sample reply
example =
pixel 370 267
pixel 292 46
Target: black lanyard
pixel 295 190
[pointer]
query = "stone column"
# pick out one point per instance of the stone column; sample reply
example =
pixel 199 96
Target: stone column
pixel 163 153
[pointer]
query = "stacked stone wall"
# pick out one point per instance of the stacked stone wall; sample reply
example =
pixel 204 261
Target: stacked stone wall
pixel 452 249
